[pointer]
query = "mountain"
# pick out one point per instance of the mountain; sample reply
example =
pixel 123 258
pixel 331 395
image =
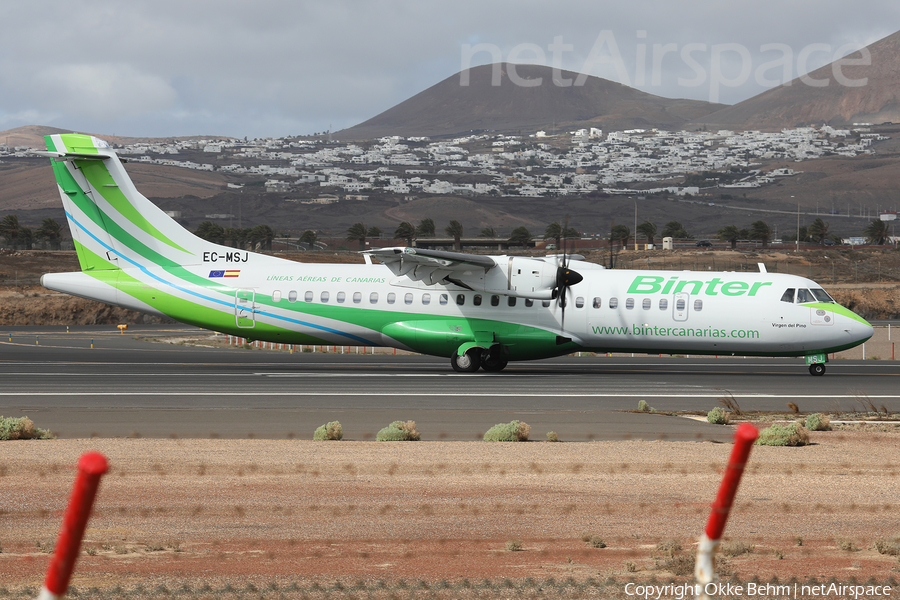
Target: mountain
pixel 451 108
pixel 798 104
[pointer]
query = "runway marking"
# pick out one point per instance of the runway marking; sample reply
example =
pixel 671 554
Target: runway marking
pixel 438 395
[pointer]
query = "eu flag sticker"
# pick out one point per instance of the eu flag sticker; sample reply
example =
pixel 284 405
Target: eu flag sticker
pixel 217 273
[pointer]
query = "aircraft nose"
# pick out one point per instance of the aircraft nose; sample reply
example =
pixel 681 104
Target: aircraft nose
pixel 860 329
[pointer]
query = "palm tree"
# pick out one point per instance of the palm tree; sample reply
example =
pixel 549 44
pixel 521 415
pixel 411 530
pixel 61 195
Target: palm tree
pixel 818 231
pixel 557 232
pixel 876 232
pixel 760 230
pixel 674 229
pixel 405 231
pixel 730 233
pixel 51 231
pixel 263 236
pixel 374 231
pixel 357 232
pixel 648 230
pixel 425 228
pixel 10 229
pixel 620 233
pixel 488 232
pixel 309 238
pixel 520 235
pixel 211 232
pixel 455 230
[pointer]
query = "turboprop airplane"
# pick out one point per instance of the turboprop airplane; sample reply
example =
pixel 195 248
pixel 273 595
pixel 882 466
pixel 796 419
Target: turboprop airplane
pixel 478 311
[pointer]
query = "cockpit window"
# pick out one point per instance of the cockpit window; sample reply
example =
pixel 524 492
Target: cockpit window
pixel 821 295
pixel 788 295
pixel 804 296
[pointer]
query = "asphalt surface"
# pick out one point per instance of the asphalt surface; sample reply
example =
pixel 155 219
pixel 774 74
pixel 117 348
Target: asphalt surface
pixel 128 386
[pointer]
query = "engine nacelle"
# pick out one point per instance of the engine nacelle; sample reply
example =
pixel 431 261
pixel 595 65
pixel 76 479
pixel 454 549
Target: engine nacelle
pixel 524 277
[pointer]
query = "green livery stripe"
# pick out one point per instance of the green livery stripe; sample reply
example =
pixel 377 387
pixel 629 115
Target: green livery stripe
pixel 837 309
pixel 99 176
pixel 90 261
pixel 76 142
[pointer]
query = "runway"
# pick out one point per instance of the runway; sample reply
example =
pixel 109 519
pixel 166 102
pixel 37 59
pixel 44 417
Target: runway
pixel 125 386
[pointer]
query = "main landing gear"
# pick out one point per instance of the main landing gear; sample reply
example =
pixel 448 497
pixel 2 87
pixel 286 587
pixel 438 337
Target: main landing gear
pixel 474 358
pixel 817 369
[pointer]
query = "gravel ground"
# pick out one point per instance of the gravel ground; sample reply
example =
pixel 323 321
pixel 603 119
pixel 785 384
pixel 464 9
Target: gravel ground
pixel 245 516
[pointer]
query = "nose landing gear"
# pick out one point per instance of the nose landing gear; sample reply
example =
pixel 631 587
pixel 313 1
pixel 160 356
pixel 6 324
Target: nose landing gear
pixel 817 369
pixel 816 363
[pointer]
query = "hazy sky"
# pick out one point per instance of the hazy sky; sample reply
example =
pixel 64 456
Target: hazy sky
pixel 289 67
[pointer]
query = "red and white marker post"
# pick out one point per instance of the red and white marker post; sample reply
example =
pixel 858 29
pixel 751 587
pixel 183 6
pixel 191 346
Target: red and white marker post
pixel 91 466
pixel 705 568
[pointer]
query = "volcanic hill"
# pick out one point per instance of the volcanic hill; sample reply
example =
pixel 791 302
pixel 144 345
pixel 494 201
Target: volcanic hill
pixel 487 98
pixel 873 97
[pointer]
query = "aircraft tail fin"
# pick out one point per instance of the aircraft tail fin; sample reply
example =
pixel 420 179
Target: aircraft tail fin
pixel 113 225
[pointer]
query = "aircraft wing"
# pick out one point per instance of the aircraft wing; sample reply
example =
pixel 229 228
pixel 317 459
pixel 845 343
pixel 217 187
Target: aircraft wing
pixel 433 266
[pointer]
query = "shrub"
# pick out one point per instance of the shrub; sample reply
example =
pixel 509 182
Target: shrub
pixel 552 437
pixel 643 406
pixel 514 431
pixel 846 545
pixel 818 422
pixel 888 547
pixel 736 548
pixel 514 546
pixel 330 431
pixel 679 565
pixel 792 434
pixel 717 416
pixel 399 431
pixel 22 428
pixel 669 547
pixel 597 542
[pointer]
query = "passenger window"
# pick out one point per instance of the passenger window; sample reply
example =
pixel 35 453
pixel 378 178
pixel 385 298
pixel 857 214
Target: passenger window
pixel 663 303
pixel 276 296
pixel 460 299
pixel 357 297
pixel 292 296
pixel 391 298
pixel 444 298
pixel 803 296
pixel 579 302
pixel 680 304
pixel 545 303
pixel 511 300
pixel 341 297
pixel 324 297
pixel 495 300
pixel 373 298
pixel 788 295
pixel 645 303
pixel 614 303
pixel 629 303
pixel 477 300
pixel 426 298
pixel 597 303
pixel 698 304
pixel 529 302
pixel 407 299
pixel 308 296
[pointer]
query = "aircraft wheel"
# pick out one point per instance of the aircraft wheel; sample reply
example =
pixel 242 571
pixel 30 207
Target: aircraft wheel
pixel 494 365
pixel 468 362
pixel 817 369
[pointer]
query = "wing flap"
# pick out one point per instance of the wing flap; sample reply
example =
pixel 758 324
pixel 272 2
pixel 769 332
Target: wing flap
pixel 434 266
